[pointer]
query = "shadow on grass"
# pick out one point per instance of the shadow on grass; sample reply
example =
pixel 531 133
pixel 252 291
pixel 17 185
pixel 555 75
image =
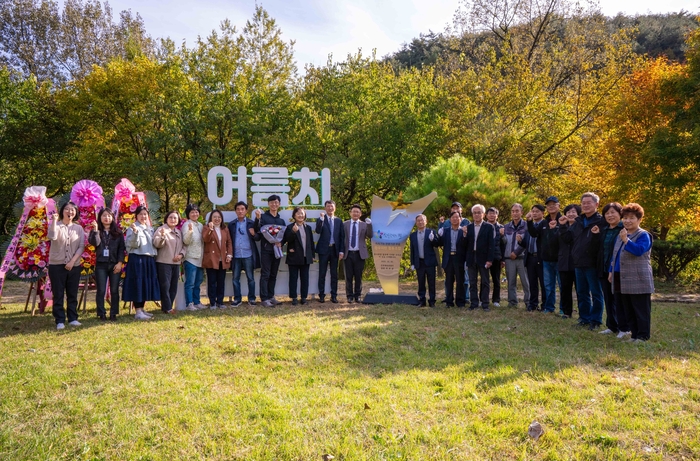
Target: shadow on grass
pixel 385 339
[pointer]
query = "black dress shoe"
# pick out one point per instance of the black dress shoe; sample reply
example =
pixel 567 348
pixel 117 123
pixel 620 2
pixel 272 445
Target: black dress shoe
pixel 102 317
pixel 112 318
pixel 334 300
pixel 431 304
pixel 295 302
pixel 322 298
pixel 350 300
pixel 303 301
pixel 422 303
pixel 449 305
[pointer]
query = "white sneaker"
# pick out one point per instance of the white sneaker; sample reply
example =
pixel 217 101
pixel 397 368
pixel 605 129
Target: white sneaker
pixel 622 334
pixel 274 301
pixel 212 307
pixel 74 323
pixel 221 306
pixel 60 326
pixel 190 307
pixel 200 306
pixel 496 305
pixel 147 314
pixel 606 332
pixel 267 303
pixel 142 316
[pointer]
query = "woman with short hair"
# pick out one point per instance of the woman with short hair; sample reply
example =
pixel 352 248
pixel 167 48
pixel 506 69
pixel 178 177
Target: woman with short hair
pixel 168 241
pixel 615 321
pixel 194 250
pixel 631 273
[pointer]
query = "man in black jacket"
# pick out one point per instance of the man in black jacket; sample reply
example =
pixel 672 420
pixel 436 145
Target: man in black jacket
pixel 499 249
pixel 423 258
pixel 269 264
pixel 548 247
pixel 330 249
pixel 584 253
pixel 453 242
pixel 479 257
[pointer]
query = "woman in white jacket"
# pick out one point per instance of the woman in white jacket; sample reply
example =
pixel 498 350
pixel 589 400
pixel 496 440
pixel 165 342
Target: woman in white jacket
pixel 194 274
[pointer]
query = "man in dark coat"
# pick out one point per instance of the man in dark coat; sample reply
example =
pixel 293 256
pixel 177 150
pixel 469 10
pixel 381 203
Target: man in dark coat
pixel 330 249
pixel 584 253
pixel 479 257
pixel 423 259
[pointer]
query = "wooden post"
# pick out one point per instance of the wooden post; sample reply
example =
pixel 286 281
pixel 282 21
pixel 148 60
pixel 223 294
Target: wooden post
pixel 29 295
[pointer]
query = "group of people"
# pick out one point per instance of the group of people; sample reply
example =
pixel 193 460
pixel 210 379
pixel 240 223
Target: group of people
pixel 153 257
pixel 604 257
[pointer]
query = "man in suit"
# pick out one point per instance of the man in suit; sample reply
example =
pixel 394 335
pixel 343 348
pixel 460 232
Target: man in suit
pixel 479 257
pixel 356 232
pixel 456 206
pixel 423 259
pixel 453 242
pixel 245 253
pixel 533 257
pixel 330 249
pixel 498 252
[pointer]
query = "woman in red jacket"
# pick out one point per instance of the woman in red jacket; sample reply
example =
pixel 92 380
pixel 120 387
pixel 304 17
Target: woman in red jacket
pixel 216 258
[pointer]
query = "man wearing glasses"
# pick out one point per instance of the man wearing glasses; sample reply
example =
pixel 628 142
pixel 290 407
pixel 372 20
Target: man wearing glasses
pixel 245 254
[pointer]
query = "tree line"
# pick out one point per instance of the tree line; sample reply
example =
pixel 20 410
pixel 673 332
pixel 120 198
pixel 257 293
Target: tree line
pixel 548 97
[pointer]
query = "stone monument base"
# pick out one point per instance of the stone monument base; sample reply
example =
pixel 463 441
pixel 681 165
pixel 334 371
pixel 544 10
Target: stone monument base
pixel 381 298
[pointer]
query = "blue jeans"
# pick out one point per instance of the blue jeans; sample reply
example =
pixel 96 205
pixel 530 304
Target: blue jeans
pixel 193 280
pixel 551 280
pixel 588 289
pixel 239 265
pixel 467 293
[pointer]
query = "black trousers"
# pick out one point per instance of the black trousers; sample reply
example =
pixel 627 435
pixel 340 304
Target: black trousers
pixel 354 266
pixel 496 270
pixel 323 262
pixel 216 279
pixel 454 272
pixel 168 275
pixel 269 266
pixel 426 272
pixel 615 319
pixel 638 312
pixel 296 272
pixel 64 282
pixel 535 275
pixel 479 293
pixel 568 283
pixel 104 272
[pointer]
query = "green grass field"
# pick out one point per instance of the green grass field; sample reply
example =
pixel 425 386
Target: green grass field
pixel 356 382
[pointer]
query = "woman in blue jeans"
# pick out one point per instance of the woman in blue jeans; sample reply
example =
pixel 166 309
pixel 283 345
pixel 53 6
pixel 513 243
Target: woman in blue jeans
pixel 108 240
pixel 194 273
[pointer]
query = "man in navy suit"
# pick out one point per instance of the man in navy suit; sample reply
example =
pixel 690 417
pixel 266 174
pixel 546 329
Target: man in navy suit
pixel 480 248
pixel 245 253
pixel 453 242
pixel 330 249
pixel 423 259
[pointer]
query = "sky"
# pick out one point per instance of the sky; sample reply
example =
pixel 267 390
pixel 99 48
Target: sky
pixel 334 27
